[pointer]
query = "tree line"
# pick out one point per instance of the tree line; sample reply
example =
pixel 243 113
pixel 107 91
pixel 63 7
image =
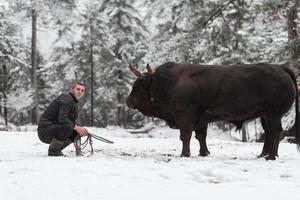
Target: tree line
pixel 94 41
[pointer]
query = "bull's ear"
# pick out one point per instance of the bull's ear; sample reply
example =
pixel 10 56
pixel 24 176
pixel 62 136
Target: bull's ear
pixel 149 69
pixel 136 72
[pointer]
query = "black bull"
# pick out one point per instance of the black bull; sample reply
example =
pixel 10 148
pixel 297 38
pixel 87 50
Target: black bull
pixel 189 96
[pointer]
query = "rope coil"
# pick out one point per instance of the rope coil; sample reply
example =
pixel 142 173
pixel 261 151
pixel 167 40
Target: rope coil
pixel 80 146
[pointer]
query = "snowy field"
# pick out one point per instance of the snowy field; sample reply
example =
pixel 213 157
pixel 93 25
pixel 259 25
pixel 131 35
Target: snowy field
pixel 146 167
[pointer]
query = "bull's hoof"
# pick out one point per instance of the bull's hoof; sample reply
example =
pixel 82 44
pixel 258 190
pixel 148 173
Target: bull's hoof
pixel 269 157
pixel 204 153
pixel 185 155
pixel 262 155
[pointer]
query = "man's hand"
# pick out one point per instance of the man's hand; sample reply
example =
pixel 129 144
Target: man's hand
pixel 81 131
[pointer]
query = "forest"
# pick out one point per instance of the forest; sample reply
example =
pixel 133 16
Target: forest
pixel 46 45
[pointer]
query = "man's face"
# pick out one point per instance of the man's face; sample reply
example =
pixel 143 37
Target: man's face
pixel 77 91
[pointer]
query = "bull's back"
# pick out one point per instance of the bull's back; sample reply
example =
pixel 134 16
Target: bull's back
pixel 231 90
pixel 257 88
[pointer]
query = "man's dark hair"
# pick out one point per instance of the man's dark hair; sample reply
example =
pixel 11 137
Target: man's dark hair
pixel 76 83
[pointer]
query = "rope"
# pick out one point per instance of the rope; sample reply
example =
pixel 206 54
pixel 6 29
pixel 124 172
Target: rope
pixel 80 146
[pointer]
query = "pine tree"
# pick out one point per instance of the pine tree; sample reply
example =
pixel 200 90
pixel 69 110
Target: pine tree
pixel 14 68
pixel 112 35
pixel 219 32
pixel 93 42
pixel 59 16
pixel 293 37
pixel 128 45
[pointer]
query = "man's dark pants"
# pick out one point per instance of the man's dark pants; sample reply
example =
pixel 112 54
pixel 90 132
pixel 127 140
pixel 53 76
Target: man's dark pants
pixel 61 132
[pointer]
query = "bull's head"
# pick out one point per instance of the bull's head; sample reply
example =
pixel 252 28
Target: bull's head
pixel 139 97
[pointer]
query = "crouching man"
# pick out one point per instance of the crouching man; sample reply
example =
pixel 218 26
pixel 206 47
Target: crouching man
pixel 57 125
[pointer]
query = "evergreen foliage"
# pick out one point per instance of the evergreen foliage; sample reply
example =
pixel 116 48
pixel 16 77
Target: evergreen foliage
pixel 14 69
pixel 97 39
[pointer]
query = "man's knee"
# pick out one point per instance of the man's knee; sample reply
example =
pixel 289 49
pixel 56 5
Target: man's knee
pixel 64 131
pixel 45 138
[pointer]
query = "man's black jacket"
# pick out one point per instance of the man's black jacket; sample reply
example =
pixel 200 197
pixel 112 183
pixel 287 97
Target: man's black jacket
pixel 63 110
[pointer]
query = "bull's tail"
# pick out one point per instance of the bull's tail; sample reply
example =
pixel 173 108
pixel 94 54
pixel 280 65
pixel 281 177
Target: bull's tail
pixel 297 122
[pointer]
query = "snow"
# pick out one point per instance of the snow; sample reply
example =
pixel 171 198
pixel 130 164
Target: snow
pixel 145 167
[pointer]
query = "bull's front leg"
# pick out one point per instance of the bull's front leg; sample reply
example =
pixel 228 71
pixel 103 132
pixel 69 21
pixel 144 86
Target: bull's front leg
pixel 185 137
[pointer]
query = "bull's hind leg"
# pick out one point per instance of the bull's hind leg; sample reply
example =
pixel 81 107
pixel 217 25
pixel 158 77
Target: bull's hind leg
pixel 267 142
pixel 275 130
pixel 201 134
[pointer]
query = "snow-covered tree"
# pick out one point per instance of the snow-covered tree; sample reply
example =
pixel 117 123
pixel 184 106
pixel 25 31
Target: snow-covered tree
pixel 95 40
pixel 127 36
pixel 15 93
pixel 219 32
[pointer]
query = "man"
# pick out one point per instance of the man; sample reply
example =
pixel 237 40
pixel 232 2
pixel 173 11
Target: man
pixel 57 126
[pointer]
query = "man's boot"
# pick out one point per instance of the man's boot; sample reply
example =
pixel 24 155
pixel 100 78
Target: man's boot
pixel 55 148
pixel 66 143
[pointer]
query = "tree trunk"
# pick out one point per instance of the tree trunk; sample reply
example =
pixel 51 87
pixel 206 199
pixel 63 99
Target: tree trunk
pixel 92 75
pixel 35 109
pixel 1 89
pixel 292 33
pixel 124 118
pixel 255 129
pixel 5 78
pixel 244 133
pixel 119 110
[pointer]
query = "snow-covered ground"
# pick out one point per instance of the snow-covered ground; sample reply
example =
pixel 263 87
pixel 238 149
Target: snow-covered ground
pixel 146 167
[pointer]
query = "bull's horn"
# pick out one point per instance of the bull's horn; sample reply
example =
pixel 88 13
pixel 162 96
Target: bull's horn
pixel 136 72
pixel 149 69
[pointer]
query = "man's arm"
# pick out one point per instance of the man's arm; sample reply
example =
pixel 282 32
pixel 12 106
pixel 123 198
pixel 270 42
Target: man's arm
pixel 80 130
pixel 63 113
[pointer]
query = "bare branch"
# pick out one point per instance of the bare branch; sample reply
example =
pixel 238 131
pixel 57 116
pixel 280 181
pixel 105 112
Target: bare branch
pixel 217 13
